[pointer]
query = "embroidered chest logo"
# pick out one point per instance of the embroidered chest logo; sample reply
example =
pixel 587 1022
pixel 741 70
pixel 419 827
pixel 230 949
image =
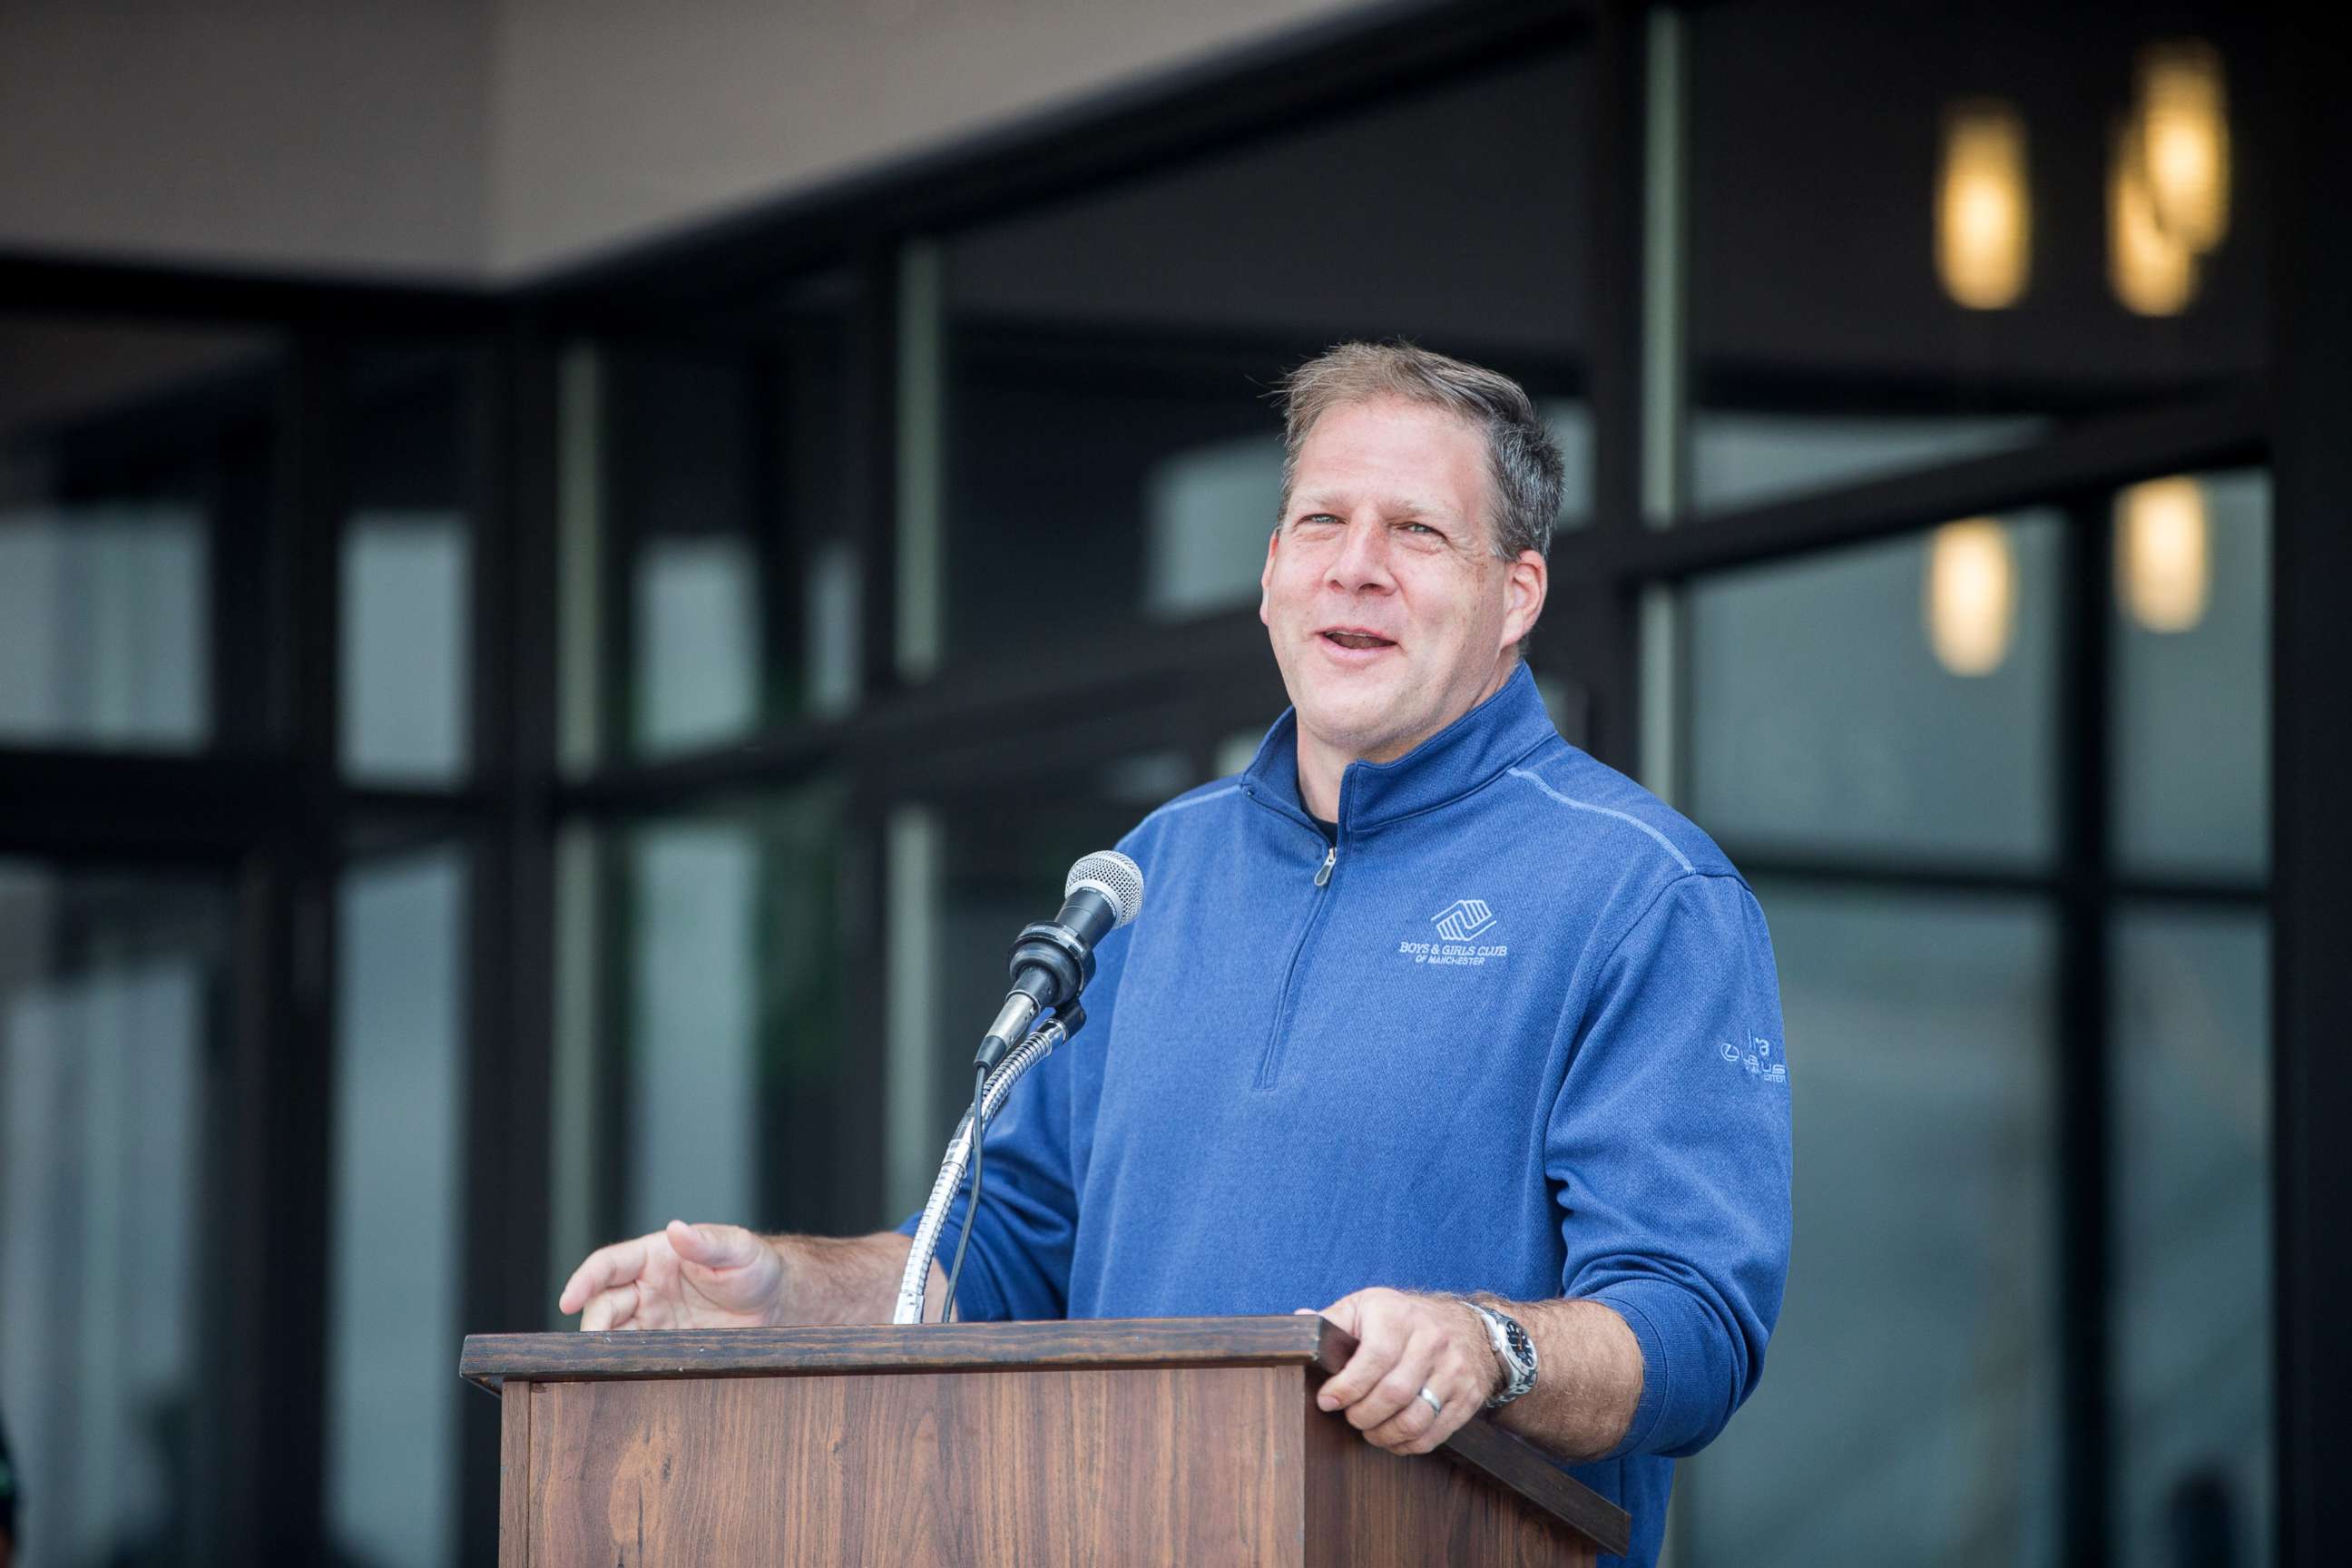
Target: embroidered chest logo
pixel 1459 925
pixel 1759 1062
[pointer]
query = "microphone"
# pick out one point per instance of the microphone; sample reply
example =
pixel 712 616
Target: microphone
pixel 1053 960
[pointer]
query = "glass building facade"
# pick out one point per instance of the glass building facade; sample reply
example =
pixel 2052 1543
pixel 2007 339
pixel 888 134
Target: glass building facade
pixel 487 774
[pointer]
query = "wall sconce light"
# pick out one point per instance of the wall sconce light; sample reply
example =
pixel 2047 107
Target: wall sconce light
pixel 1971 596
pixel 2184 140
pixel 2163 552
pixel 1984 232
pixel 2152 272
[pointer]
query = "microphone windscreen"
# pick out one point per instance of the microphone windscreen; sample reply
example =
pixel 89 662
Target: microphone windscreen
pixel 1117 878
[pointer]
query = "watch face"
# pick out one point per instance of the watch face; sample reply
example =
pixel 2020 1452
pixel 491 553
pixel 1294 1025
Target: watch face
pixel 1517 1353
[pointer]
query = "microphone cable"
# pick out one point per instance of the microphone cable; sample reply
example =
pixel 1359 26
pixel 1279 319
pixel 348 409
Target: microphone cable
pixel 971 1207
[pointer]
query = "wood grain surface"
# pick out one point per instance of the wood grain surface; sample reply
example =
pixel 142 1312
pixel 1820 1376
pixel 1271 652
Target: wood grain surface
pixel 1056 1467
pixel 1136 1441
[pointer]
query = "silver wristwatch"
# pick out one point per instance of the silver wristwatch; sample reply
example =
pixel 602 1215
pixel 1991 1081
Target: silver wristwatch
pixel 1513 1349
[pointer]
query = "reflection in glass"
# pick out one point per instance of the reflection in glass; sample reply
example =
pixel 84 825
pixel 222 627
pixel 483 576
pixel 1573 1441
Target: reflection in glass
pixel 129 457
pixel 1914 1362
pixel 698 651
pixel 1742 458
pixel 1820 719
pixel 707 526
pixel 396 1179
pixel 2191 707
pixel 1833 202
pixel 2163 553
pixel 740 1095
pixel 109 990
pixel 105 613
pixel 2153 272
pixel 407 567
pixel 1108 440
pixel 1984 232
pixel 2191 1299
pixel 2181 131
pixel 1971 596
pixel 405 580
pixel 694 967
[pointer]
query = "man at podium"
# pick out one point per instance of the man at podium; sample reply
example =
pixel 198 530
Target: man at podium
pixel 1433 1024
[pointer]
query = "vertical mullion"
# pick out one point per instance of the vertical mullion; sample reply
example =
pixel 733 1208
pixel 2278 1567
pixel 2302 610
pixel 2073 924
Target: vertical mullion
pixel 1608 619
pixel 779 546
pixel 2311 834
pixel 1662 662
pixel 511 458
pixel 278 1242
pixel 2085 1212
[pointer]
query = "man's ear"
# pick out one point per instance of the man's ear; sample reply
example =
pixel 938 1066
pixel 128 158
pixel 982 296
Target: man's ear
pixel 1524 590
pixel 1266 576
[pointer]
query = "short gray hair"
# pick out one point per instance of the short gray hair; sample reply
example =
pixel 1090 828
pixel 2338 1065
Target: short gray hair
pixel 1523 461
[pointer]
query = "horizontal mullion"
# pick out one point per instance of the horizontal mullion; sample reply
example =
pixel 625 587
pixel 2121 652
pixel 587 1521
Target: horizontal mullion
pixel 955 726
pixel 2096 455
pixel 84 805
pixel 54 285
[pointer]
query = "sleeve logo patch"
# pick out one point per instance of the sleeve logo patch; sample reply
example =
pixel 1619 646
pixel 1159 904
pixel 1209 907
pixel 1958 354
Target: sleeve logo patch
pixel 1756 1063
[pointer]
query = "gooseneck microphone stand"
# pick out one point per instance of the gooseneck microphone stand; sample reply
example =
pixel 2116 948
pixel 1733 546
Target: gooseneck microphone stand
pixel 1034 1049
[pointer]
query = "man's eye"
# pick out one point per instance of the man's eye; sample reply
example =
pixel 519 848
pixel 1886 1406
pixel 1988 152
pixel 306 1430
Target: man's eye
pixel 1422 530
pixel 1315 519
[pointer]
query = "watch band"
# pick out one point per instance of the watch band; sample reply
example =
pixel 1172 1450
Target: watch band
pixel 1513 1347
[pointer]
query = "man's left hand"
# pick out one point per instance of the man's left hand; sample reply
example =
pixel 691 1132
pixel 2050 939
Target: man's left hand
pixel 1405 1344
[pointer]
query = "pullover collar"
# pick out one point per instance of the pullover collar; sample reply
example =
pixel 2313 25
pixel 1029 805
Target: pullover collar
pixel 1464 756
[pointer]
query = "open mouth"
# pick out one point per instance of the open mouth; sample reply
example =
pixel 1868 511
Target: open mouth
pixel 1357 640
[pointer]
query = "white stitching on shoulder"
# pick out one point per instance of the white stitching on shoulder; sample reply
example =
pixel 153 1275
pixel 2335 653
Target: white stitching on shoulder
pixel 1664 842
pixel 1188 804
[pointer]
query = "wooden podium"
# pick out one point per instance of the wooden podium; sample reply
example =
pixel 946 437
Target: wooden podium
pixel 1185 1440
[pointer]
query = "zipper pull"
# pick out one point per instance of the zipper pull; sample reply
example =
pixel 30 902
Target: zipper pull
pixel 1324 875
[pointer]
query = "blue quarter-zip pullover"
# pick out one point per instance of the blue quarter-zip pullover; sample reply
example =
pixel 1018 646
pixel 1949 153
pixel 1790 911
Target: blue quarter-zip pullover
pixel 1517 1030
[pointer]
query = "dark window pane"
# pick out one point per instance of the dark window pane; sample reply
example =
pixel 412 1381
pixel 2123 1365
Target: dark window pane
pixel 740 1092
pixel 112 991
pixel 397 1221
pixel 723 537
pixel 1916 1359
pixel 1108 440
pixel 1916 233
pixel 407 627
pixel 2193 1299
pixel 1898 696
pixel 134 465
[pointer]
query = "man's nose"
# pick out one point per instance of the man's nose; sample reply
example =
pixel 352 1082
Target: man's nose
pixel 1362 561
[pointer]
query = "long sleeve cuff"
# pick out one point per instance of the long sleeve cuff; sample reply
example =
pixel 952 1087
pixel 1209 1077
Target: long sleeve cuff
pixel 1686 1395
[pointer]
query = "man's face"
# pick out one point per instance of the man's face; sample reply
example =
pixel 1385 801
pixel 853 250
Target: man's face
pixel 1390 613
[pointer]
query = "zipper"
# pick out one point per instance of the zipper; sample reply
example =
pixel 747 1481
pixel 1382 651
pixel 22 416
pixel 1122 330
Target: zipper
pixel 1270 1062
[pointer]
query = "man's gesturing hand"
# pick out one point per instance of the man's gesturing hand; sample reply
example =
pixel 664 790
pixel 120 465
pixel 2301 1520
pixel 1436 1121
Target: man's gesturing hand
pixel 1405 1344
pixel 684 1276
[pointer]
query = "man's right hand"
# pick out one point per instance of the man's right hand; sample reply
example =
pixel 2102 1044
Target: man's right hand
pixel 681 1276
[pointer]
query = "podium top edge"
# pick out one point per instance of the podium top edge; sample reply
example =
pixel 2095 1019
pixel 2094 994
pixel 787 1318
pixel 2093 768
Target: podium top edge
pixel 812 1349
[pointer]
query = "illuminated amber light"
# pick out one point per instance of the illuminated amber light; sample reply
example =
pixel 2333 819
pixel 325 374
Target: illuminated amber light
pixel 2163 553
pixel 1971 597
pixel 2184 141
pixel 1984 237
pixel 2151 272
